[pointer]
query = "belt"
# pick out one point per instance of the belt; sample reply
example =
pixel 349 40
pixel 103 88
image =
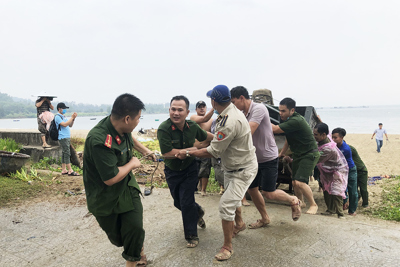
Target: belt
pixel 239 170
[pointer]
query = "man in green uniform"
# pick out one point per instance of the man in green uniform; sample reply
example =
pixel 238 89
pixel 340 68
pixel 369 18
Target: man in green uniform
pixel 174 134
pixel 305 150
pixel 232 143
pixel 112 193
pixel 362 176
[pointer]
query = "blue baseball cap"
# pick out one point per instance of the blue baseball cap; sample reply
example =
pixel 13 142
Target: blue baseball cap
pixel 220 94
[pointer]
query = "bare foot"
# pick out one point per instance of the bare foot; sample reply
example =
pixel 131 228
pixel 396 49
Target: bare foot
pixel 245 203
pixel 312 210
pixel 303 205
pixel 237 229
pixel 203 193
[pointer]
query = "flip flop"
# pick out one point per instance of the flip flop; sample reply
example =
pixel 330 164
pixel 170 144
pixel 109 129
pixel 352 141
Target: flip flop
pixel 237 230
pixel 64 173
pixel 258 224
pixel 296 210
pixel 222 255
pixel 142 262
pixel 73 174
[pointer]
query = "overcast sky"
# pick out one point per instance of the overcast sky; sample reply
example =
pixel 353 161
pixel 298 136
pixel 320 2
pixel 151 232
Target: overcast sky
pixel 321 53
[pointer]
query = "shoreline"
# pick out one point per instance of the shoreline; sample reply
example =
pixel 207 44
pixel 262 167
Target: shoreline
pixel 378 164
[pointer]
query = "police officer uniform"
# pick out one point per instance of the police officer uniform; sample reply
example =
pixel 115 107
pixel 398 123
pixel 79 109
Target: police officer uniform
pixel 117 208
pixel 181 175
pixel 234 145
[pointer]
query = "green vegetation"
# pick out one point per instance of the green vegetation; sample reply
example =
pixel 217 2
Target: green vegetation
pixel 390 208
pixel 10 145
pixel 78 143
pixel 12 188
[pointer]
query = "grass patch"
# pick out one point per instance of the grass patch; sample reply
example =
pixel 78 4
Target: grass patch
pixel 15 189
pixel 390 208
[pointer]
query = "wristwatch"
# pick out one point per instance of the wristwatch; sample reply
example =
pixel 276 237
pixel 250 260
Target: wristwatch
pixel 187 153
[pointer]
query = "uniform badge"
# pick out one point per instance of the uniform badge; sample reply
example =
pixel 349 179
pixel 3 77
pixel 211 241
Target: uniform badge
pixel 220 136
pixel 108 142
pixel 118 140
pixel 173 127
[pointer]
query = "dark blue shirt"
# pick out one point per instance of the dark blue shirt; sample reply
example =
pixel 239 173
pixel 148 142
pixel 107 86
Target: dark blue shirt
pixel 346 150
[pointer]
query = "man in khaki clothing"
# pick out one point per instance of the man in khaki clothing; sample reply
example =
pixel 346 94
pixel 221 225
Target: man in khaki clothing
pixel 234 145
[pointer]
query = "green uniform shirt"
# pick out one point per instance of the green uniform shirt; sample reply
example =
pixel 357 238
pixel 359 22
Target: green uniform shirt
pixel 170 137
pixel 357 159
pixel 298 135
pixel 104 152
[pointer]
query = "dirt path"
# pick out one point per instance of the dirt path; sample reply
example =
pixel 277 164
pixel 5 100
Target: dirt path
pixel 58 233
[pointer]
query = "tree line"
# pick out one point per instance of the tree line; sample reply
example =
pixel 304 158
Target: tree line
pixel 14 107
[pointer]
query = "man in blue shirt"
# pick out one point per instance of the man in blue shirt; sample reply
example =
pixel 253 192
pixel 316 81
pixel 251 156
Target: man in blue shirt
pixel 379 137
pixel 337 135
pixel 64 137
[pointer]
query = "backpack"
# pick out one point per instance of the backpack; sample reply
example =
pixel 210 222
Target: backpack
pixel 54 130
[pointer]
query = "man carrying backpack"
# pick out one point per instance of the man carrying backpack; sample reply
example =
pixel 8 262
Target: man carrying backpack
pixel 64 137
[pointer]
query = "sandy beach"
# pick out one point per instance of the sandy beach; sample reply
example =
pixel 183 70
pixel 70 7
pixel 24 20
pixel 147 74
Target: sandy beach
pixel 384 163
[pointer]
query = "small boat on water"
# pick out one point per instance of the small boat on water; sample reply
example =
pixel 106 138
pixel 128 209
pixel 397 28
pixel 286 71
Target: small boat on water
pixel 15 120
pixel 157 119
pixel 92 119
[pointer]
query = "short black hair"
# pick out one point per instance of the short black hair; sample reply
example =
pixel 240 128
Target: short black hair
pixel 237 91
pixel 380 123
pixel 180 97
pixel 126 104
pixel 340 131
pixel 288 102
pixel 322 128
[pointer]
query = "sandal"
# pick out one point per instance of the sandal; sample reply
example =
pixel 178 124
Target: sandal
pixel 73 174
pixel 224 254
pixel 142 262
pixel 258 224
pixel 64 173
pixel 237 230
pixel 296 210
pixel 192 243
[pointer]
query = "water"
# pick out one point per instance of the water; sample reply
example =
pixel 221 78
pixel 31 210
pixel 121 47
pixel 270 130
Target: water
pixel 354 120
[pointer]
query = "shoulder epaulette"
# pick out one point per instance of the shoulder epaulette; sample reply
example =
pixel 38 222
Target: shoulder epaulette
pixel 108 142
pixel 223 121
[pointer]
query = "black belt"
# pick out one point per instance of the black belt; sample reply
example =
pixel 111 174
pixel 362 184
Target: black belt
pixel 236 170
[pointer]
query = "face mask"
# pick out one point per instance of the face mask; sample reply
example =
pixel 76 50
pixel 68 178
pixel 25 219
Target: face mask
pixel 64 111
pixel 216 112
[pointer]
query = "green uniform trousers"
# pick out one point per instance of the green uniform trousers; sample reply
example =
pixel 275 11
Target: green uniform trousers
pixel 362 183
pixel 126 229
pixel 334 203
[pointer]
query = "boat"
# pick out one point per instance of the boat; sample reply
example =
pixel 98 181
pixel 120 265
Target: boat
pixel 15 120
pixel 11 161
pixel 157 119
pixel 92 119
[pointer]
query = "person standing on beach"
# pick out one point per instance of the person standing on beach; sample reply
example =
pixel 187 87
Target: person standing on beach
pixel 267 157
pixel 203 119
pixel 362 176
pixel 43 104
pixel 300 139
pixel 337 135
pixel 333 169
pixel 112 192
pixel 233 144
pixel 64 137
pixel 379 137
pixel 174 134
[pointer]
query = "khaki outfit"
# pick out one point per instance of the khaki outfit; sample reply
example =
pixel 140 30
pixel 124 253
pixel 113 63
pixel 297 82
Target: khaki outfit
pixel 234 145
pixel 117 208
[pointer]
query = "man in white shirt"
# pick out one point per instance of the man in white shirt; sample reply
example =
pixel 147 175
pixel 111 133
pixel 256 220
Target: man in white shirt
pixel 379 137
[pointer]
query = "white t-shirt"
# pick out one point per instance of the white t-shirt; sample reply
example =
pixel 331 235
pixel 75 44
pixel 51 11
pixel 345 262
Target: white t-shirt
pixel 379 133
